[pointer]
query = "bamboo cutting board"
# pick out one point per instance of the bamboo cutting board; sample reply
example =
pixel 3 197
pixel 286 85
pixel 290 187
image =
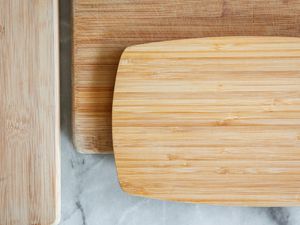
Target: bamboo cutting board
pixel 213 120
pixel 29 113
pixel 104 28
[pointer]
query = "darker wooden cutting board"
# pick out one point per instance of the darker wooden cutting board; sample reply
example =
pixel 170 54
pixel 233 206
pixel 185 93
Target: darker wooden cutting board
pixel 103 28
pixel 210 120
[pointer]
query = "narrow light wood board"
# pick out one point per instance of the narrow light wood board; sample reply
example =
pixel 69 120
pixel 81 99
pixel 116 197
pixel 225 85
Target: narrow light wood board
pixel 104 28
pixel 212 120
pixel 29 113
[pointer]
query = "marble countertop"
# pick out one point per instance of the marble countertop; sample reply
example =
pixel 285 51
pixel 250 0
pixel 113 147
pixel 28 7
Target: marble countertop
pixel 91 194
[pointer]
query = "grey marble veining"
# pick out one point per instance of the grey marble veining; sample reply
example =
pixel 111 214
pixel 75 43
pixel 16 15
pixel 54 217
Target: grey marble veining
pixel 90 190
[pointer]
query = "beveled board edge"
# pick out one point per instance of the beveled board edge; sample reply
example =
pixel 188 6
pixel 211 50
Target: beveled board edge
pixel 57 97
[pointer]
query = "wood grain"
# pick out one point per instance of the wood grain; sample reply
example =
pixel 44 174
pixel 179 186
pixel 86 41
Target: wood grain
pixel 212 120
pixel 104 28
pixel 29 113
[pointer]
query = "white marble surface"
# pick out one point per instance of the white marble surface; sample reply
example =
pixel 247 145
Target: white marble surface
pixel 91 194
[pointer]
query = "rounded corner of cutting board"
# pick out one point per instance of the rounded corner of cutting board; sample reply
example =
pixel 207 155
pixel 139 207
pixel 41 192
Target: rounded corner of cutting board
pixel 56 219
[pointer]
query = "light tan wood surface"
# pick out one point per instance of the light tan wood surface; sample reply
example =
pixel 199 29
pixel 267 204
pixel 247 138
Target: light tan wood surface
pixel 104 28
pixel 29 113
pixel 212 120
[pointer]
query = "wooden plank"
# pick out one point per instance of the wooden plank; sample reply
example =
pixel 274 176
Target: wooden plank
pixel 212 120
pixel 29 113
pixel 104 28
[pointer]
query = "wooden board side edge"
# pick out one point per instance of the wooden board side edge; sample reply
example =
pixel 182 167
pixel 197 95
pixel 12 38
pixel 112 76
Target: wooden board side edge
pixel 57 97
pixel 79 145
